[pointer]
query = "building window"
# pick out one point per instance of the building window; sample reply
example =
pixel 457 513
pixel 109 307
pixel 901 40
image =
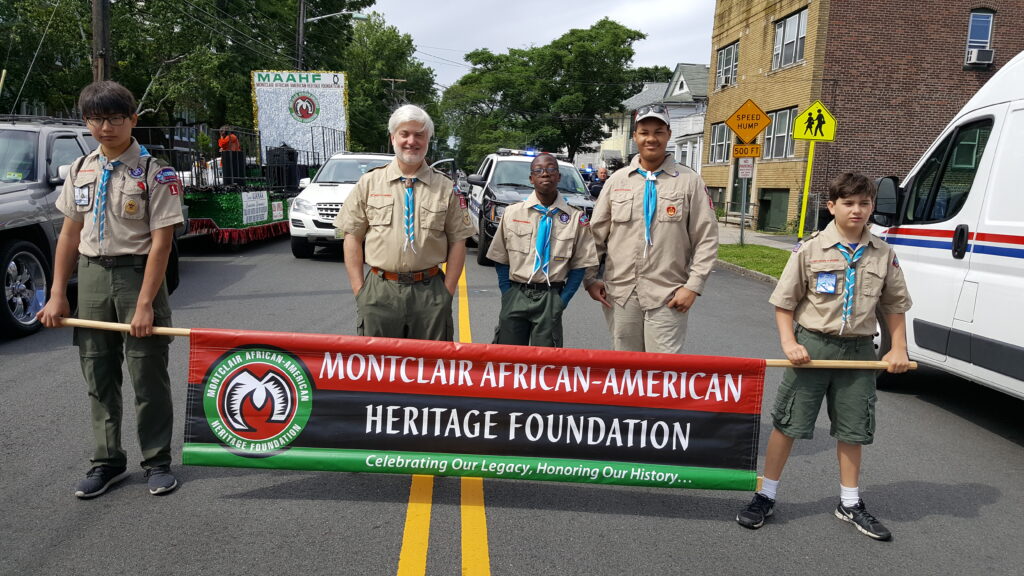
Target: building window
pixel 728 61
pixel 979 31
pixel 790 33
pixel 721 147
pixel 778 136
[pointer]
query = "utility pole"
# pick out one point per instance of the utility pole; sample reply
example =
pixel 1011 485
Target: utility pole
pixel 101 57
pixel 300 40
pixel 391 91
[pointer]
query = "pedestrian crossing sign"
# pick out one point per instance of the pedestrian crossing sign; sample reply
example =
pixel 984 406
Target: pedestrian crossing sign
pixel 815 123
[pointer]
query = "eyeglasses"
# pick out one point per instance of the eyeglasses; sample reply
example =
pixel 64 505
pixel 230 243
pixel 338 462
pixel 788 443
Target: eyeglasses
pixel 656 108
pixel 97 121
pixel 549 170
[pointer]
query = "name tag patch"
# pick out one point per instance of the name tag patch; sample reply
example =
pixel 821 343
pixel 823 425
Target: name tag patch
pixel 81 196
pixel 826 283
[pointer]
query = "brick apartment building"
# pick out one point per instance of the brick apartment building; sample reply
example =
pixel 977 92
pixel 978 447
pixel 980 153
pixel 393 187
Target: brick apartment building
pixel 892 73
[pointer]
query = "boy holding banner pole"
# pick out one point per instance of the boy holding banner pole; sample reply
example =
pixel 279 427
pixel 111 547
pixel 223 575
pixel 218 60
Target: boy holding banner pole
pixel 831 288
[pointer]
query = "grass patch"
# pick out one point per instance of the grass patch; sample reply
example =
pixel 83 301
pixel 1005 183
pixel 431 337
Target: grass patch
pixel 764 259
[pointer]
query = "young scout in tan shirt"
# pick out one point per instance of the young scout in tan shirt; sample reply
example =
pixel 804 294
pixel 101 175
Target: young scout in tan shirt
pixel 411 223
pixel 831 288
pixel 541 249
pixel 120 209
pixel 655 228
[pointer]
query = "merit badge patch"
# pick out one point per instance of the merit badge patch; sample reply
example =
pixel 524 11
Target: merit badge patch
pixel 584 220
pixel 166 175
pixel 563 218
pixel 131 207
pixel 136 172
pixel 826 283
pixel 670 210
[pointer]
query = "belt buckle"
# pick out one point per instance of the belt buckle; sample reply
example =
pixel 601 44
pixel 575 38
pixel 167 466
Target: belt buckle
pixel 405 277
pixel 107 261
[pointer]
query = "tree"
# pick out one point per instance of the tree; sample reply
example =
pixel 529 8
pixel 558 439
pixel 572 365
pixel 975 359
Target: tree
pixel 554 96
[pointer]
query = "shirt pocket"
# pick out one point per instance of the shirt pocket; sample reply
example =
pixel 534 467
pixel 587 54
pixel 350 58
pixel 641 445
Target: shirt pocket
pixel 672 205
pixel 519 237
pixel 562 239
pixel 622 207
pixel 379 209
pixel 870 281
pixel 83 193
pixel 432 215
pixel 825 280
pixel 128 198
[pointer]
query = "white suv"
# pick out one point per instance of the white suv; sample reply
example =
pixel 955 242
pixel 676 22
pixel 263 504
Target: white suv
pixel 312 213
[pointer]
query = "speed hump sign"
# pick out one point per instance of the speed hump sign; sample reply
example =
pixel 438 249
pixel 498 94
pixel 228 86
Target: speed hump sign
pixel 748 121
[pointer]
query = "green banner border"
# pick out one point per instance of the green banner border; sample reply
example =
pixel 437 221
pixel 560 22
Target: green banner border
pixel 478 466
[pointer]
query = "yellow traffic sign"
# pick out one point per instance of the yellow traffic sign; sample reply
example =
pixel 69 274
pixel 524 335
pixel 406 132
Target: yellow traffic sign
pixel 815 123
pixel 748 121
pixel 746 151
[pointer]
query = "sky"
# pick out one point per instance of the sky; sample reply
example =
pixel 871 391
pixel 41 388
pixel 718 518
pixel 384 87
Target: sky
pixel 678 31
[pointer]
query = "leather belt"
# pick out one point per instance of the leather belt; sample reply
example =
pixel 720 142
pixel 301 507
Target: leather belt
pixel 407 277
pixel 118 261
pixel 552 286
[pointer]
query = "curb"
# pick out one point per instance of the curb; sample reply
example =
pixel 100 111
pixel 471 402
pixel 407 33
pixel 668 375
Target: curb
pixel 719 263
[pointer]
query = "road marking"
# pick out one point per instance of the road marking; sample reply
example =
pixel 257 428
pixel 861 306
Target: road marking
pixel 413 559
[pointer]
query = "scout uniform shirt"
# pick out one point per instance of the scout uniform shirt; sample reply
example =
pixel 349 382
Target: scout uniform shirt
pixel 813 281
pixel 134 205
pixel 375 210
pixel 572 245
pixel 684 233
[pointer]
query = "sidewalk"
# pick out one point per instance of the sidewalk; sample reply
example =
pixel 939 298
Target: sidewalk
pixel 730 234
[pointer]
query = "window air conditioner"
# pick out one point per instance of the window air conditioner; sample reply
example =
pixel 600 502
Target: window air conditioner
pixel 980 56
pixel 725 81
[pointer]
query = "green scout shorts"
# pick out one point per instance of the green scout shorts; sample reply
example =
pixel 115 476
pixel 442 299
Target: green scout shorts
pixel 850 394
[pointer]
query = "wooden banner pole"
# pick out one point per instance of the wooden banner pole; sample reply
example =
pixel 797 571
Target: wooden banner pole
pixel 771 363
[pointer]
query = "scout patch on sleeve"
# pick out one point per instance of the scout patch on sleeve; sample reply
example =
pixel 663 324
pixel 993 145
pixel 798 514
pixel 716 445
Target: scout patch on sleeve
pixel 175 188
pixel 895 261
pixel 166 175
pixel 81 195
pixel 826 283
pixel 584 220
pixel 711 202
pixel 796 247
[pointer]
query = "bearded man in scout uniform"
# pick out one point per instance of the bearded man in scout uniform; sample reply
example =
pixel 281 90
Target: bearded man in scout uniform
pixel 654 226
pixel 541 250
pixel 411 223
pixel 120 209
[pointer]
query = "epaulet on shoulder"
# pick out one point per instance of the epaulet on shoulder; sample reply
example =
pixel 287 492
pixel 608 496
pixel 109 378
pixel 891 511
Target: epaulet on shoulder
pixel 442 173
pixel 377 168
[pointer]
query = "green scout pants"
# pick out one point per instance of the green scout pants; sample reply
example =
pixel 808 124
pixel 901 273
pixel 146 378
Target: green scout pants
pixel 422 310
pixel 530 317
pixel 110 295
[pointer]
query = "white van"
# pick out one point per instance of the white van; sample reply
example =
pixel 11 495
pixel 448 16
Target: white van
pixel 957 223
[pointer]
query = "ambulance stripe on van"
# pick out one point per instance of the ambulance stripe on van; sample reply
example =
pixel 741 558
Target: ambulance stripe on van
pixel 983 243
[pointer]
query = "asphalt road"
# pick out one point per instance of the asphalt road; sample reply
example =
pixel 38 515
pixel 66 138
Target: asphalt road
pixel 943 473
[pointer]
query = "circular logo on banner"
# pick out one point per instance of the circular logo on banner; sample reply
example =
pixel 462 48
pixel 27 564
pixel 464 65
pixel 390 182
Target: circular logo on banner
pixel 257 400
pixel 304 107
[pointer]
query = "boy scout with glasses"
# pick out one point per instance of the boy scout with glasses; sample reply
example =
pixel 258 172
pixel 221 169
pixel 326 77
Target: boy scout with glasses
pixel 120 209
pixel 411 222
pixel 541 250
pixel 831 288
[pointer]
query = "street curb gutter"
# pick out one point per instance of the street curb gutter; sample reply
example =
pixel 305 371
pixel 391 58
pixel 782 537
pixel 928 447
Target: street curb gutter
pixel 745 272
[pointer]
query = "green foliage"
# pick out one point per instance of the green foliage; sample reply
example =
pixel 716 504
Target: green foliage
pixel 552 96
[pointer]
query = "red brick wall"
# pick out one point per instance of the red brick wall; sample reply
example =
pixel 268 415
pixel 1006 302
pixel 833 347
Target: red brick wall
pixel 894 77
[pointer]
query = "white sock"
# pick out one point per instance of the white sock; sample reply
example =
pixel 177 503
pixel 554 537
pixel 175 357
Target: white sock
pixel 769 488
pixel 849 496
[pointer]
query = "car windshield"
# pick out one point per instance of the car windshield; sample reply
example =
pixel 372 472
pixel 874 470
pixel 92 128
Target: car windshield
pixel 18 155
pixel 518 174
pixel 347 170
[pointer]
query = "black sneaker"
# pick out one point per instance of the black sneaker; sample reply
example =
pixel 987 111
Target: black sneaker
pixel 160 480
pixel 863 520
pixel 98 479
pixel 754 515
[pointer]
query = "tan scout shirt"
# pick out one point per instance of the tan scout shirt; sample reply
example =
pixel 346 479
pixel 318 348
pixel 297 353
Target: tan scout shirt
pixel 817 306
pixel 684 232
pixel 375 211
pixel 572 244
pixel 134 206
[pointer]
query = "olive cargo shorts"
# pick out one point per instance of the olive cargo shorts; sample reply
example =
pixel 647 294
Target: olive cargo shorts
pixel 850 394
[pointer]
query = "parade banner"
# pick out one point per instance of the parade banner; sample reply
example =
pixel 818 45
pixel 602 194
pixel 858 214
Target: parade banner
pixel 290 105
pixel 348 403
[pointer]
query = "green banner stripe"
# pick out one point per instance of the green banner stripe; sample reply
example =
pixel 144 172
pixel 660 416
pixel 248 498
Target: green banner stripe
pixel 510 467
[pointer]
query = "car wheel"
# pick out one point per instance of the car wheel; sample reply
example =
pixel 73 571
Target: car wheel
pixel 481 251
pixel 26 287
pixel 301 248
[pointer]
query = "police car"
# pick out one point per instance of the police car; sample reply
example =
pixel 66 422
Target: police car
pixel 503 179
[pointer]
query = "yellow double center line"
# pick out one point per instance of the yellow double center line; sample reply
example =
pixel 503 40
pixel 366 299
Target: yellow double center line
pixel 416 537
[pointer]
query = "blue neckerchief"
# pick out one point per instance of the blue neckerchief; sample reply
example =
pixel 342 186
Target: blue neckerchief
pixel 851 280
pixel 99 215
pixel 410 214
pixel 650 203
pixel 542 256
